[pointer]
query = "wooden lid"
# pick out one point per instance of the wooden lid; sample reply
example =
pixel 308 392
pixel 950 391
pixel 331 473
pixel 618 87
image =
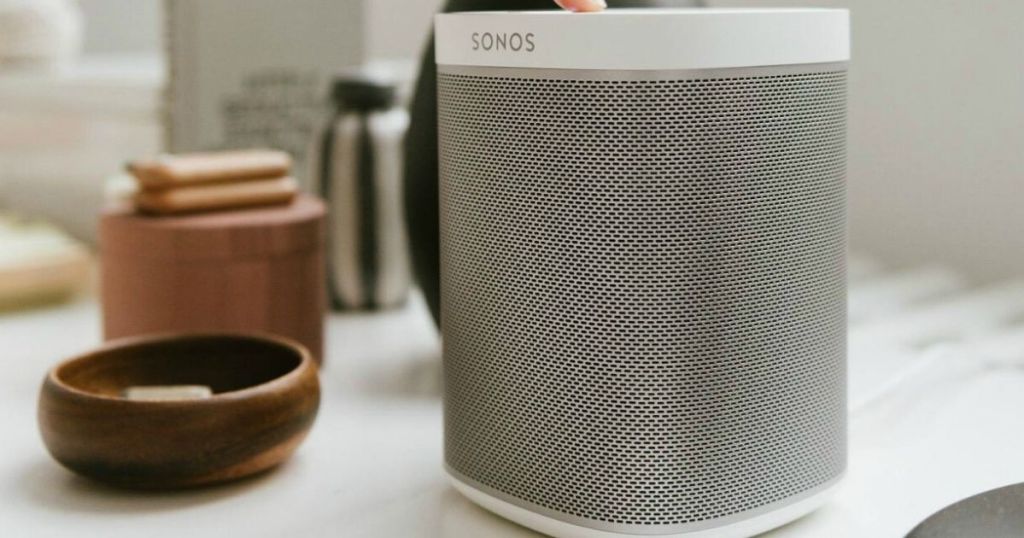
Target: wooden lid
pixel 239 234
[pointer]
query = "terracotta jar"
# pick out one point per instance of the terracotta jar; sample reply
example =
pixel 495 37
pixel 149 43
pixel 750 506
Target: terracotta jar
pixel 255 271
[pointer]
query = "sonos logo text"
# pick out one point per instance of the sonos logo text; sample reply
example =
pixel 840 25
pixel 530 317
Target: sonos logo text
pixel 515 41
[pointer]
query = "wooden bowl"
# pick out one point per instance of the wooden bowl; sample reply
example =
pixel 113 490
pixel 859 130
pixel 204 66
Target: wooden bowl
pixel 265 396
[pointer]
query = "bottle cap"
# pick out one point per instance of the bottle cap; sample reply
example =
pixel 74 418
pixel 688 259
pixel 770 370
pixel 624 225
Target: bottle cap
pixel 363 93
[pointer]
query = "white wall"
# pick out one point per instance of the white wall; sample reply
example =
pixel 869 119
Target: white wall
pixel 397 29
pixel 937 131
pixel 122 25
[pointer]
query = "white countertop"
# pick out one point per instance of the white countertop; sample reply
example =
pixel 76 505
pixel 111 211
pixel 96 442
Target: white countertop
pixel 372 464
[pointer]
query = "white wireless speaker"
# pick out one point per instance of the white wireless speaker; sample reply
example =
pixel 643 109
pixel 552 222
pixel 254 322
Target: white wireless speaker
pixel 643 266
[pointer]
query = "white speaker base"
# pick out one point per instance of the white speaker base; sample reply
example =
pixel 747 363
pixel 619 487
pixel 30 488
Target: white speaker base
pixel 560 529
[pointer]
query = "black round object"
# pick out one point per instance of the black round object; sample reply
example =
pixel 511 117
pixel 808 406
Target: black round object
pixel 994 514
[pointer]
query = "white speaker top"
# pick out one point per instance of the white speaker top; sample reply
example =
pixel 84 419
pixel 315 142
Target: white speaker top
pixel 643 39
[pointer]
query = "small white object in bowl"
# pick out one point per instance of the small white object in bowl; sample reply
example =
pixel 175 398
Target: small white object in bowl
pixel 168 392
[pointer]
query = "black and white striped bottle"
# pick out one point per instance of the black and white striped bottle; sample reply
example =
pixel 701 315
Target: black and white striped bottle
pixel 357 169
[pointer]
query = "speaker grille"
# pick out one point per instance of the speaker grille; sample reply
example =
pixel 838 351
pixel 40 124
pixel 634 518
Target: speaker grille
pixel 643 290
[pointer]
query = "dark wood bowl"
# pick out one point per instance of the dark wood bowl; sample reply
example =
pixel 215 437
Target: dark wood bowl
pixel 265 398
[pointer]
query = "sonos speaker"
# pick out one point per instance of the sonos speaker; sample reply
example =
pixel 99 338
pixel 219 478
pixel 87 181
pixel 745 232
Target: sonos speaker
pixel 643 276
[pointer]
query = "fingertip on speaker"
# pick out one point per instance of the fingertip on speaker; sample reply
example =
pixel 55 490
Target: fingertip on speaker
pixel 582 6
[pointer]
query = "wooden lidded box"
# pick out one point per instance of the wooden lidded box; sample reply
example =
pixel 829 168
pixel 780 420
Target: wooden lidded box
pixel 250 270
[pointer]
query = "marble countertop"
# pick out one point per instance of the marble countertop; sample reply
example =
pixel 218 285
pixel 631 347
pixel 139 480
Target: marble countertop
pixel 372 464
